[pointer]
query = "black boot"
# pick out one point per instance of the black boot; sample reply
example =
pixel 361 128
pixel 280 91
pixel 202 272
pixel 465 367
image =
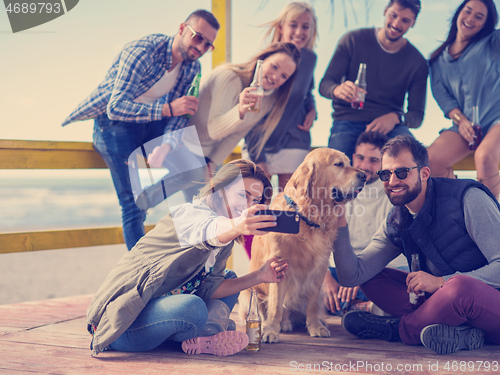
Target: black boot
pixel 369 326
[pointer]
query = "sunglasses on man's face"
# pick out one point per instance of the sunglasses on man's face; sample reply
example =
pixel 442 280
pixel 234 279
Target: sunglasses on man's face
pixel 401 173
pixel 199 38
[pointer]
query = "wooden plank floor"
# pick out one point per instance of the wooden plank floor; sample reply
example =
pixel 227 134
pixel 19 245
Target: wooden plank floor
pixel 49 337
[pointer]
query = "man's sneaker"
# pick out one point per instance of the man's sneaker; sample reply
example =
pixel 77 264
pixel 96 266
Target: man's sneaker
pixel 445 339
pixel 369 326
pixel 221 344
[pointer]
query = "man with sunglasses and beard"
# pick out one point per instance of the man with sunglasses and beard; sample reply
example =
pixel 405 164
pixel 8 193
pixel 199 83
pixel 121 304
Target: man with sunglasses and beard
pixel 453 226
pixel 364 215
pixel 395 72
pixel 143 99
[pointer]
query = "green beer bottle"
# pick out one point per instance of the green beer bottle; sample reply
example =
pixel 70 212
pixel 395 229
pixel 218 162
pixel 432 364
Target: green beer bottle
pixel 194 90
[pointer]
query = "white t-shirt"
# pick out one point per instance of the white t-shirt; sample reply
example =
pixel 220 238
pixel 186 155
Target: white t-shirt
pixel 161 88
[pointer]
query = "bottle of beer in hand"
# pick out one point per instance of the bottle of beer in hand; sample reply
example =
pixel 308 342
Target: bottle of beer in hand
pixel 478 134
pixel 193 90
pixel 360 82
pixel 257 83
pixel 416 299
pixel 254 324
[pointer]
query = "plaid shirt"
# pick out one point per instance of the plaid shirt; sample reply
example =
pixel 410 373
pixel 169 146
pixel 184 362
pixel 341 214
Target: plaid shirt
pixel 135 70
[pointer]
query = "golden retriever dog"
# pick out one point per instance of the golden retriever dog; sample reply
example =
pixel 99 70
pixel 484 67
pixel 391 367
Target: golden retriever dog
pixel 317 190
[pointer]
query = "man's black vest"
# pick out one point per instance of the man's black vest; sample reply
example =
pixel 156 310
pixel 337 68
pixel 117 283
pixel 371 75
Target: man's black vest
pixel 438 232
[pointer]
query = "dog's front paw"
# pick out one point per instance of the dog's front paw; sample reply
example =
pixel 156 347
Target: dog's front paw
pixel 271 337
pixel 318 331
pixel 270 334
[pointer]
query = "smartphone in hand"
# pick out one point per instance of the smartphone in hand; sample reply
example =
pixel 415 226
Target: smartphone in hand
pixel 286 221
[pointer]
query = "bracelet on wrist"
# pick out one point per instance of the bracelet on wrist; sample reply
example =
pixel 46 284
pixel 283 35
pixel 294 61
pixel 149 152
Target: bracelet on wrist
pixel 171 112
pixel 457 118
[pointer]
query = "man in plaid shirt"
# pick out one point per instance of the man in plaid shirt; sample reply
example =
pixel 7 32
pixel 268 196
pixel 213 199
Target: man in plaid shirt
pixel 142 99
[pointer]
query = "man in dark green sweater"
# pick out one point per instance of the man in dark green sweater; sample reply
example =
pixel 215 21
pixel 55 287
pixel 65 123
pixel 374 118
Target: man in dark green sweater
pixel 395 69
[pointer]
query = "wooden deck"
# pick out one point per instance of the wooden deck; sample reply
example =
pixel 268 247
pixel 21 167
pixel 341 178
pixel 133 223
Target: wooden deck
pixel 49 337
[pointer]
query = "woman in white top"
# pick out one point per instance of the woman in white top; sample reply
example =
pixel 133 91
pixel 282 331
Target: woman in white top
pixel 173 285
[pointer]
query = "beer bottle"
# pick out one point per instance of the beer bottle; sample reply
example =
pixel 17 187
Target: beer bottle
pixel 416 299
pixel 257 82
pixel 193 90
pixel 254 324
pixel 478 134
pixel 360 82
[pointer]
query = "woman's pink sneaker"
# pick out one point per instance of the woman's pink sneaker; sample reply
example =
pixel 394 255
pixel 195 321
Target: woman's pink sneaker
pixel 221 344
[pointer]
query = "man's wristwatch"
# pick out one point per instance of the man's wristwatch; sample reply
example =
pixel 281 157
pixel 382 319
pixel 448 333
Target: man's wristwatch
pixel 401 118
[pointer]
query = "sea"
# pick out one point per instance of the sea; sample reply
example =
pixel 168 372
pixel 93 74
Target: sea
pixel 38 200
pixel 60 199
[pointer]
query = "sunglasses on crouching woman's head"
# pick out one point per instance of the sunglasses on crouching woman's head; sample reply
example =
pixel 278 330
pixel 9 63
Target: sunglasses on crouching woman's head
pixel 401 173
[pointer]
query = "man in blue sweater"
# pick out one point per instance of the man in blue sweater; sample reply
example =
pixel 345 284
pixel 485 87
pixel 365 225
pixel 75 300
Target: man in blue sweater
pixel 453 226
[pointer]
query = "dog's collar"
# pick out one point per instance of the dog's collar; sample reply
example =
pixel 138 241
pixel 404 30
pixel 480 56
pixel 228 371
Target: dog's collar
pixel 295 206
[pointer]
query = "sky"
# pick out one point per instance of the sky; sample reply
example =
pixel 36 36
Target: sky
pixel 47 70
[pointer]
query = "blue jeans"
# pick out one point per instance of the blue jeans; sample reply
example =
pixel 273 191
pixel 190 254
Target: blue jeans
pixel 344 134
pixel 177 317
pixel 116 142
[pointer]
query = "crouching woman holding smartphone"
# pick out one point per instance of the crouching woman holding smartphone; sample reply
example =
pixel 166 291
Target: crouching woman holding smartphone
pixel 165 287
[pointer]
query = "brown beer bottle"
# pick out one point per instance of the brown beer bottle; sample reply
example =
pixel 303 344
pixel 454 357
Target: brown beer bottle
pixel 257 83
pixel 254 324
pixel 360 82
pixel 416 299
pixel 478 134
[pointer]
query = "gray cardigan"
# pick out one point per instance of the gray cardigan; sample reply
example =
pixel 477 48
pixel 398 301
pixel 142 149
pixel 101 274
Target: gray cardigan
pixel 156 265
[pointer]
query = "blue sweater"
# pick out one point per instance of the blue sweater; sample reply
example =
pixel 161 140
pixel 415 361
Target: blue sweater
pixel 472 79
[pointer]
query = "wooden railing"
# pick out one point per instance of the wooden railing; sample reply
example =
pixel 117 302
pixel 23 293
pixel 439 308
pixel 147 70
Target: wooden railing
pixel 16 154
pixel 53 155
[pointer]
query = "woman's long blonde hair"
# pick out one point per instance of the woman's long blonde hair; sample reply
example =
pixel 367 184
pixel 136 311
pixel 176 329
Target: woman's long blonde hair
pixel 246 70
pixel 292 10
